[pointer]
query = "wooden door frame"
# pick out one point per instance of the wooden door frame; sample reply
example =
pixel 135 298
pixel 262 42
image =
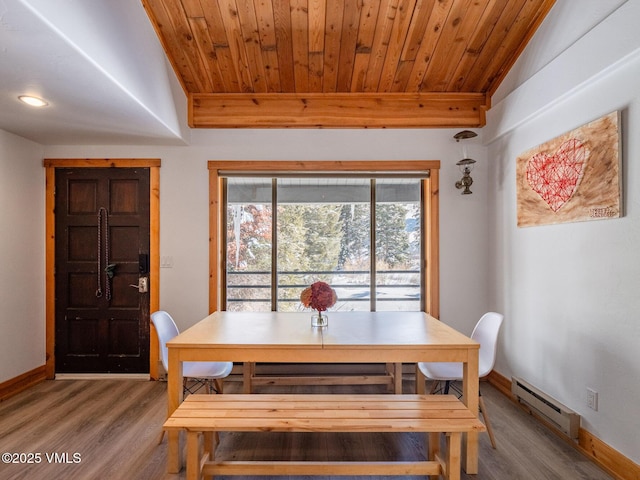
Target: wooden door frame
pixel 430 207
pixel 50 165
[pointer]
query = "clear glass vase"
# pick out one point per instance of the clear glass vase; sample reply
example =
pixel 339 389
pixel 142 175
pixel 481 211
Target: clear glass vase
pixel 319 319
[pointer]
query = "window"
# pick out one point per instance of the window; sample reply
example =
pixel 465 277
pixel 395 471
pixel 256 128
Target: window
pixel 369 232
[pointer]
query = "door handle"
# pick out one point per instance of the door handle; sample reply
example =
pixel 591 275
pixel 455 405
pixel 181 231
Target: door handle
pixel 142 286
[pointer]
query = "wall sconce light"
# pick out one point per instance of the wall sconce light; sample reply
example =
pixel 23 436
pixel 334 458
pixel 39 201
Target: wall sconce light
pixel 466 164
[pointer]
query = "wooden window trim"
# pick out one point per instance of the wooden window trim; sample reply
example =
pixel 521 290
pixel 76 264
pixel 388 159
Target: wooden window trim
pixel 430 207
pixel 50 165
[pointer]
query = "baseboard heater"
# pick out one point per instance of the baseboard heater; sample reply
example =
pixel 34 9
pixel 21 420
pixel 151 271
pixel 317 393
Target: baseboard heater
pixel 566 420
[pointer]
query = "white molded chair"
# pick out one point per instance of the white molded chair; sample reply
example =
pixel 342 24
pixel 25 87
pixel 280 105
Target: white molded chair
pixel 486 334
pixel 203 373
pixel 199 373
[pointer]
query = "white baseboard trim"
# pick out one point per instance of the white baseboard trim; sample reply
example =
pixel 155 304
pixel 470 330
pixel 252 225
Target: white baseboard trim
pixel 103 376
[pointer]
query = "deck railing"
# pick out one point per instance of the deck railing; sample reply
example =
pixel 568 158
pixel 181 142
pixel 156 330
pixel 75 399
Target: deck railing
pixel 353 287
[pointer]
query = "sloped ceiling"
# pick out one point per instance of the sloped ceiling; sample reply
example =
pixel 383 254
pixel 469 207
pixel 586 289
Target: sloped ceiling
pixel 102 65
pixel 364 63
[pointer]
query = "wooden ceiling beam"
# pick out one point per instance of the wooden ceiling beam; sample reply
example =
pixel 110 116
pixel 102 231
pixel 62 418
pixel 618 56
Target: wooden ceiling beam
pixel 334 110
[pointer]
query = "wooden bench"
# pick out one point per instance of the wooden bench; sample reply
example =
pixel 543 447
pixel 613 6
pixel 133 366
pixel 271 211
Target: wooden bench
pixel 391 377
pixel 203 415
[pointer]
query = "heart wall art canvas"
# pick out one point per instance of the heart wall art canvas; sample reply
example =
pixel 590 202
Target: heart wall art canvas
pixel 572 178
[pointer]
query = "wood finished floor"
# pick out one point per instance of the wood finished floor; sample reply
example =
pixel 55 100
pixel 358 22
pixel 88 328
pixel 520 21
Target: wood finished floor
pixel 114 426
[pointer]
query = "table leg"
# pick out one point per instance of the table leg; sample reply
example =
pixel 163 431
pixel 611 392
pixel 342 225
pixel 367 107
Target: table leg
pixel 470 391
pixel 175 397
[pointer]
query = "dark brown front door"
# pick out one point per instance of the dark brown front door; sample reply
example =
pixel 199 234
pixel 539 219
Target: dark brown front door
pixel 102 251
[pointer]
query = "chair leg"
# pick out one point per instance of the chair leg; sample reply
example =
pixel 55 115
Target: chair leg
pixel 218 385
pixel 447 384
pixel 434 386
pixel 185 387
pixel 161 436
pixel 216 388
pixel 487 423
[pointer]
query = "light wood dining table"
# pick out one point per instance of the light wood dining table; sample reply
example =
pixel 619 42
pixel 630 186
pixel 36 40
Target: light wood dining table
pixel 350 337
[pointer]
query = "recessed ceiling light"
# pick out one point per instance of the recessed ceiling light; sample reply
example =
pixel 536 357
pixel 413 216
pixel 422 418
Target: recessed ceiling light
pixel 33 101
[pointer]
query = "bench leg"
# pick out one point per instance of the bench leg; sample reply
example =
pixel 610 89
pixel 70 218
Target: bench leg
pixel 397 378
pixel 393 371
pixel 421 380
pixel 433 439
pixel 248 372
pixel 450 460
pixel 193 456
pixel 211 441
pixel 195 460
pixel 453 456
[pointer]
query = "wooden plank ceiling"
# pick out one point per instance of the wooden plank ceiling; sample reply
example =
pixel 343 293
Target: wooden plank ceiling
pixel 342 63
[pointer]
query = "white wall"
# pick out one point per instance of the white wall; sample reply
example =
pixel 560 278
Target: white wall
pixel 22 328
pixel 570 292
pixel 184 203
